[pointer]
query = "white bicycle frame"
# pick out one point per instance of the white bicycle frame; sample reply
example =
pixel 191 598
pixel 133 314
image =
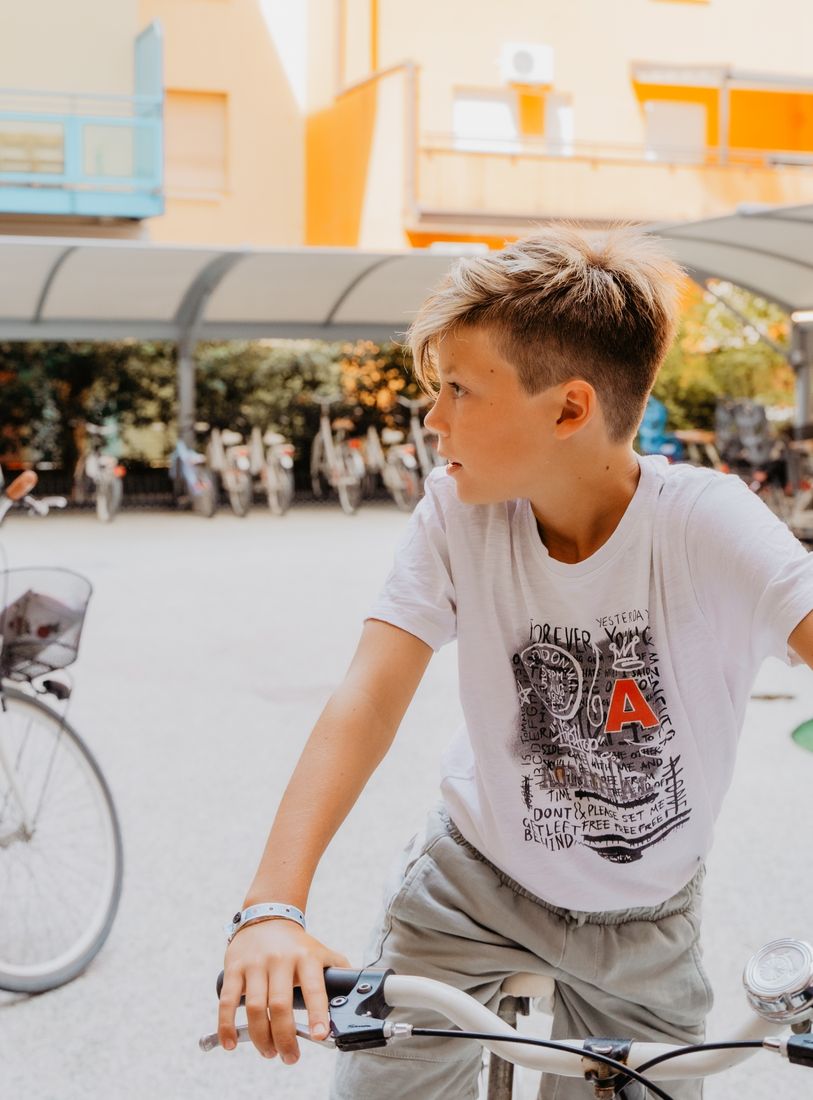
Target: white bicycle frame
pixel 417 434
pixel 338 476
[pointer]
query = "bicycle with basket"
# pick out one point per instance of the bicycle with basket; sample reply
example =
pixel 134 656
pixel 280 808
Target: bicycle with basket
pixel 60 839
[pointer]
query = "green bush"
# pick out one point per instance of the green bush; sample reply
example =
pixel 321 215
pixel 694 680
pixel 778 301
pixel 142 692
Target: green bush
pixel 49 389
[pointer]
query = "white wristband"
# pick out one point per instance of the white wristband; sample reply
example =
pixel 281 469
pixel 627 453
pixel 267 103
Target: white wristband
pixel 260 912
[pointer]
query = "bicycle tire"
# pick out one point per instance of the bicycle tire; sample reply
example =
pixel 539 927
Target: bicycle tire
pixel 118 495
pixel 279 488
pixel 775 498
pixel 320 483
pixel 31 730
pixel 405 485
pixel 204 496
pixel 105 499
pixel 351 486
pixel 241 493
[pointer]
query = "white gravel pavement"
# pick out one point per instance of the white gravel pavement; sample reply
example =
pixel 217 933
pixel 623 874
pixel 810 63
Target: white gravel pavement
pixel 209 650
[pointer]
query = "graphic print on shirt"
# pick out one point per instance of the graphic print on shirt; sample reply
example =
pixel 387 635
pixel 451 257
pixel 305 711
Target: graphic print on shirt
pixel 594 737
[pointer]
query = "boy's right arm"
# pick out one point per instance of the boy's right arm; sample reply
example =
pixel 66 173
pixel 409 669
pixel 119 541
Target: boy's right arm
pixel 349 740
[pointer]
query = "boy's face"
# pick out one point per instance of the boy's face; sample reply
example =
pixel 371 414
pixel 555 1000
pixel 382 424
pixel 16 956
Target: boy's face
pixel 499 440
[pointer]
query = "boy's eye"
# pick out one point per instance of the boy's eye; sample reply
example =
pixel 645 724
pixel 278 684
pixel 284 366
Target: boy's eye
pixel 456 388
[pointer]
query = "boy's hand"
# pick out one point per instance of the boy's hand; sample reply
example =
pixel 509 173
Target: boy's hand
pixel 266 960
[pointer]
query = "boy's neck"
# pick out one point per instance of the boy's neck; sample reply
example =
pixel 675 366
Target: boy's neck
pixel 578 515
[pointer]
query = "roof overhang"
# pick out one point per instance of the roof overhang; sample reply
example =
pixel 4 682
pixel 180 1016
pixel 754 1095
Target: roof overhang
pixel 85 289
pixel 66 289
pixel 767 250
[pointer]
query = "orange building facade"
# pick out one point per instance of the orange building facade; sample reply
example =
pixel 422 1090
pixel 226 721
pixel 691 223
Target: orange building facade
pixel 461 122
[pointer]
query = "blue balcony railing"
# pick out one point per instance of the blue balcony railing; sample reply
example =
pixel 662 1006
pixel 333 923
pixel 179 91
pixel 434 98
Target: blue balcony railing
pixel 89 155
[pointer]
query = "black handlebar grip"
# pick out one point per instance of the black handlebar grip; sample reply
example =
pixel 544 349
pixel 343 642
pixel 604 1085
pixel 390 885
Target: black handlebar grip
pixel 338 983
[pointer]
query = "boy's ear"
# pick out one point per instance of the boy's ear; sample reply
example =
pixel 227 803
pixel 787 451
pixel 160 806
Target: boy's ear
pixel 579 404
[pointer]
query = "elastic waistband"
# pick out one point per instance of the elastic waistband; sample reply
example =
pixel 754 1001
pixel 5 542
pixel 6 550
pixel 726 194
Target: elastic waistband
pixel 681 902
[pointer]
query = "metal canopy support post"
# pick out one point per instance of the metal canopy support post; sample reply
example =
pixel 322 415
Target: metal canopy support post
pixel 186 388
pixel 801 358
pixel 188 319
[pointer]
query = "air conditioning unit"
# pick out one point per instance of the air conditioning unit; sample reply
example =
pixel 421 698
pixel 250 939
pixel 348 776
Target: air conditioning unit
pixel 526 63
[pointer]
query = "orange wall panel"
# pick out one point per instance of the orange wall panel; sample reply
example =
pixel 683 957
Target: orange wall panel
pixel 531 110
pixel 339 143
pixel 771 120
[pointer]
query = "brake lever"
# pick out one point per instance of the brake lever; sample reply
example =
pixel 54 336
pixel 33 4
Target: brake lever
pixel 209 1042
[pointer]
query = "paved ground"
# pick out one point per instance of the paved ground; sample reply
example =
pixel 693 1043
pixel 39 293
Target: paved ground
pixel 209 651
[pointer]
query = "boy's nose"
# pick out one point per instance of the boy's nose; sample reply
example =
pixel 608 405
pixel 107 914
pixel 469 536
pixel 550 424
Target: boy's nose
pixel 433 421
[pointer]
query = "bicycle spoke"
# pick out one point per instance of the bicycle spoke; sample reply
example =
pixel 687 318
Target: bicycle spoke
pixel 60 885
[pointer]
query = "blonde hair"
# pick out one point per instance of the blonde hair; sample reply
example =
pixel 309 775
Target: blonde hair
pixel 564 303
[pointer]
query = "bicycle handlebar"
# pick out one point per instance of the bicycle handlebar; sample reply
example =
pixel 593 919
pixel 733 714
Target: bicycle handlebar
pixel 360 1001
pixel 19 490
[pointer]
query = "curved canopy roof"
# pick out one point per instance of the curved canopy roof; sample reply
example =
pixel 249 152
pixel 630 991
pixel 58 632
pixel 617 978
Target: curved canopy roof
pixel 86 289
pixel 768 250
pixel 52 289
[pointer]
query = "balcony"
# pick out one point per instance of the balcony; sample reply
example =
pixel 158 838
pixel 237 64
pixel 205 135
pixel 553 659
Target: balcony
pixel 86 155
pixel 504 186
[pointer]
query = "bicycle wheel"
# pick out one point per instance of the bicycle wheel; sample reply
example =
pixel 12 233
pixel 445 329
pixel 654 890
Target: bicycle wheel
pixel 204 494
pixel 105 499
pixel 279 487
pixel 61 858
pixel 351 485
pixel 777 500
pixel 241 492
pixel 320 483
pixel 404 484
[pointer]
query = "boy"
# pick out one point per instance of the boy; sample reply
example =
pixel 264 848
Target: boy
pixel 610 613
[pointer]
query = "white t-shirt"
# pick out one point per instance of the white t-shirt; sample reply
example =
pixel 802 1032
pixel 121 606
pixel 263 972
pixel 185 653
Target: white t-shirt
pixel 602 701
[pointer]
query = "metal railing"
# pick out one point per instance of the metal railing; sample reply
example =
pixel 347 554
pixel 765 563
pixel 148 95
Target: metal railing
pixel 77 153
pixel 613 152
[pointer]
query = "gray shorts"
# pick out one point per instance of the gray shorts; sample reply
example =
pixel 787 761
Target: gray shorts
pixel 449 914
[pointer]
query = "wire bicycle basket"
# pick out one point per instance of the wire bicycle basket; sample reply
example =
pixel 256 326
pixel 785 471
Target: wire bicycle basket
pixel 41 621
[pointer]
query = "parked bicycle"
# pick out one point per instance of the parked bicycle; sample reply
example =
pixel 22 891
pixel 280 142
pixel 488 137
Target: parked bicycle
pixel 748 447
pixel 230 457
pixel 424 441
pixel 336 462
pixel 397 466
pixel 273 456
pixel 778 982
pixel 192 481
pixel 60 840
pixel 98 473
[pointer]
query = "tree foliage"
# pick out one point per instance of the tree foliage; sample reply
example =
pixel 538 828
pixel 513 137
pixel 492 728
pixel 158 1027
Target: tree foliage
pixel 716 355
pixel 46 390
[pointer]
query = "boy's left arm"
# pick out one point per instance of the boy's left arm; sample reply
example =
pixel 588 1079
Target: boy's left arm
pixel 801 640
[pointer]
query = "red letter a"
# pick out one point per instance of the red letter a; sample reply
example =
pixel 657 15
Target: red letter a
pixel 627 705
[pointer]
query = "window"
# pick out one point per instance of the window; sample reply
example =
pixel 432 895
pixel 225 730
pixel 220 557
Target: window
pixel 675 132
pixel 486 122
pixel 195 136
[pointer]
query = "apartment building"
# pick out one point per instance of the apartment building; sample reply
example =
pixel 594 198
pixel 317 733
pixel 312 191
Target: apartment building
pixel 461 121
pixel 390 124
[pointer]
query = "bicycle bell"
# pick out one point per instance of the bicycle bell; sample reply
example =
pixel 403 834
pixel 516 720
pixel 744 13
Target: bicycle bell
pixel 778 981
